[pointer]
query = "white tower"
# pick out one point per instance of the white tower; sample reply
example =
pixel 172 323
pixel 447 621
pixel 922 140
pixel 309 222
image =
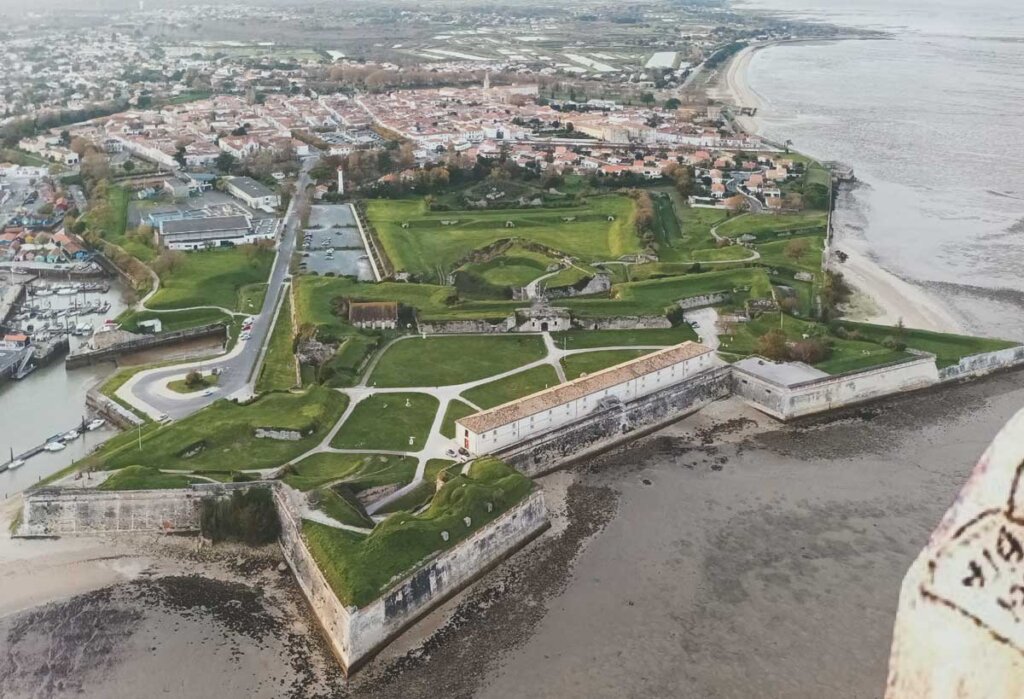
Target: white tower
pixel 341 181
pixel 487 80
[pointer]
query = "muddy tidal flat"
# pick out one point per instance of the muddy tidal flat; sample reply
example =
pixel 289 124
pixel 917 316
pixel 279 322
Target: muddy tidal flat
pixel 724 556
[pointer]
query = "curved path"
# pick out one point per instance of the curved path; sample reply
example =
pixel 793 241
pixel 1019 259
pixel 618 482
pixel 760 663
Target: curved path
pixel 437 445
pixel 147 391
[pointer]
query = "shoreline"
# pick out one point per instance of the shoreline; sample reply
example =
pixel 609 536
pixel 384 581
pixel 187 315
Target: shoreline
pixel 892 298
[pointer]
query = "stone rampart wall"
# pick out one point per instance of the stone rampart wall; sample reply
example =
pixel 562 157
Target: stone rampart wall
pixel 85 511
pixel 618 423
pixel 820 395
pixel 623 322
pixel 356 634
pixel 982 364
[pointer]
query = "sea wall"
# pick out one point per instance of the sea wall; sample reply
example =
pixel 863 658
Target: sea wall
pixel 357 634
pixel 618 423
pixel 54 511
pixel 819 395
pixel 982 364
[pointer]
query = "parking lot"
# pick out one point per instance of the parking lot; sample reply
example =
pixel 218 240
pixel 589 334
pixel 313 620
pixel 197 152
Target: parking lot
pixel 332 245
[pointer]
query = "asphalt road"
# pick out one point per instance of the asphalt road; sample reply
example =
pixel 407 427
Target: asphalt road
pixel 237 366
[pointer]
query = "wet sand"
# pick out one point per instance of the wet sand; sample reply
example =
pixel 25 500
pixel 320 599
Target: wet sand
pixel 725 556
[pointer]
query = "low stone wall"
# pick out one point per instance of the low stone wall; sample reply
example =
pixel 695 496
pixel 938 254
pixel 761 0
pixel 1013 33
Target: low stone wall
pixel 618 423
pixel 84 511
pixel 623 323
pixel 356 634
pixel 982 364
pixel 451 327
pixel 821 395
pixel 87 357
pixel 703 300
pixel 111 410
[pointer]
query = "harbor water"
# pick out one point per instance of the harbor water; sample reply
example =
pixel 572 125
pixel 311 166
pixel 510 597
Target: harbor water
pixel 51 400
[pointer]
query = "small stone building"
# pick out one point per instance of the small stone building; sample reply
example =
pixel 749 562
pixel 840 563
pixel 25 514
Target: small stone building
pixel 375 315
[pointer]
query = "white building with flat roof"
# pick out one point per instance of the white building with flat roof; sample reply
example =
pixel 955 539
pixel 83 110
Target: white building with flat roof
pixel 211 232
pixel 506 425
pixel 256 195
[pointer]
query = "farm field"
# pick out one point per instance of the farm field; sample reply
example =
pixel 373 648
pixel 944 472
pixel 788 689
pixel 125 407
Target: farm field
pixel 429 249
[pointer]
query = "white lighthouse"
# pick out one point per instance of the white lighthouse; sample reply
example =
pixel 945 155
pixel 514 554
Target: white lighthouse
pixel 341 181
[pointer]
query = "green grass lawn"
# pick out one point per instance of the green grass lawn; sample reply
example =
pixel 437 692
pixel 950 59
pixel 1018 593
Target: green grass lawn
pixel 428 248
pixel 181 386
pixel 111 221
pixel 222 436
pixel 948 348
pixel 326 467
pixel 517 266
pixel 360 568
pixel 416 498
pixel 250 298
pixel 729 253
pixel 143 478
pixel 774 255
pixel 769 226
pixel 278 370
pixel 212 277
pixel 346 510
pixel 446 360
pixel 174 320
pixel 575 365
pixel 654 296
pixel 456 409
pixel 387 420
pixel 511 387
pixel 594 339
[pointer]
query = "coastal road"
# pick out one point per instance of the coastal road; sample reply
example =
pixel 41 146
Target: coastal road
pixel 147 390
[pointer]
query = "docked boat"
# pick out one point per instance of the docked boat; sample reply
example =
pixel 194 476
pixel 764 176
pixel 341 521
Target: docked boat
pixel 66 291
pixel 71 435
pixel 53 446
pixel 16 463
pixel 95 424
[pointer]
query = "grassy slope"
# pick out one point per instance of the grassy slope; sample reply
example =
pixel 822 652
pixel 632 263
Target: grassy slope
pixel 387 420
pixel 325 467
pixel 226 433
pixel 769 225
pixel 426 246
pixel 142 478
pixel 278 370
pixel 511 387
pixel 442 361
pixel 948 348
pixel 360 568
pixel 593 339
pixel 211 278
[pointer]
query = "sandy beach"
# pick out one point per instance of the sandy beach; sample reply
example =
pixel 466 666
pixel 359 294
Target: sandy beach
pixel 892 298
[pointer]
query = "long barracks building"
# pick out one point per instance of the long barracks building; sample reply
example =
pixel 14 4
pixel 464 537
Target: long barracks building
pixel 512 423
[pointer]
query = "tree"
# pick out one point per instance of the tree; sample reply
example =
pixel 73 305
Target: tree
pixel 647 98
pixel 179 155
pixel 796 249
pixel 672 103
pixel 226 163
pixel 128 166
pixel 194 379
pixel 772 345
